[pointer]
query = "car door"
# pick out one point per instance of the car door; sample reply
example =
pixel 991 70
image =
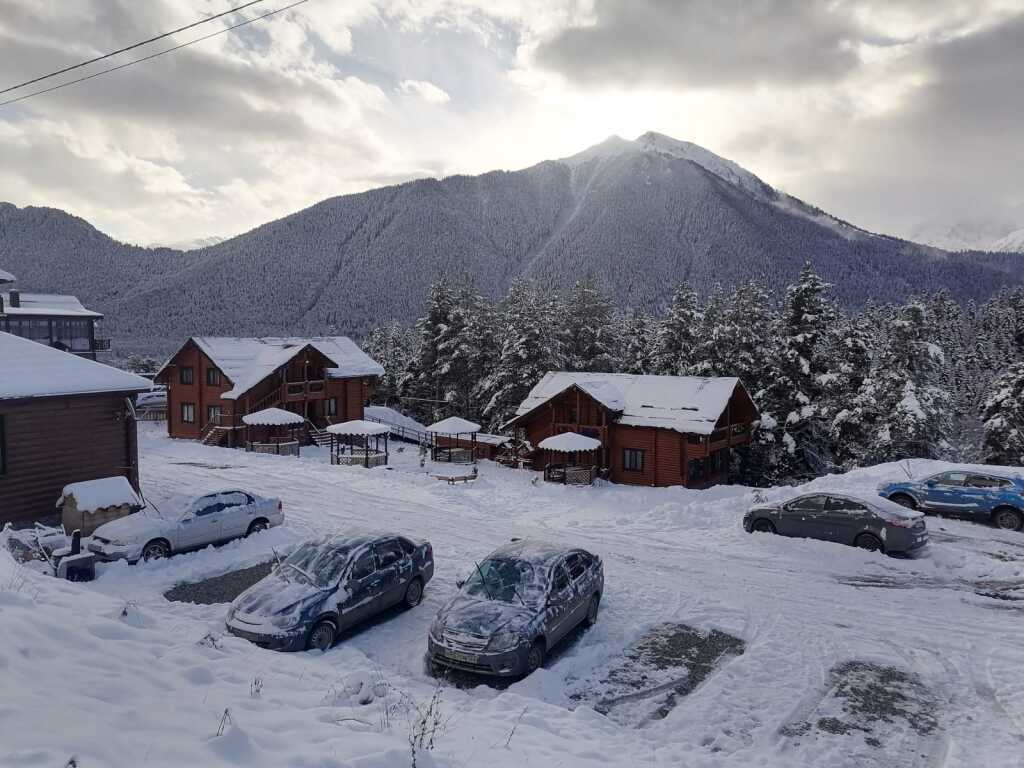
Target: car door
pixel 362 595
pixel 560 604
pixel 237 513
pixel 202 525
pixel 395 568
pixel 943 492
pixel 804 517
pixel 845 519
pixel 981 495
pixel 577 569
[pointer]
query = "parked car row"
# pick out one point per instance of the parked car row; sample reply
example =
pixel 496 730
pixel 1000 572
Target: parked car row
pixel 517 604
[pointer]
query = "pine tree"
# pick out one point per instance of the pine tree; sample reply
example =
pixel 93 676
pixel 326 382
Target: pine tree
pixel 590 341
pixel 676 336
pixel 421 386
pixel 745 337
pixel 637 344
pixel 392 345
pixel 1003 418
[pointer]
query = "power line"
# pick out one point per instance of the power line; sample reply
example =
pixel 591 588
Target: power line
pixel 151 56
pixel 130 47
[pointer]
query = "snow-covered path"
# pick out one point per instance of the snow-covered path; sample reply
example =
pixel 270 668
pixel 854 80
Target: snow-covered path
pixel 802 608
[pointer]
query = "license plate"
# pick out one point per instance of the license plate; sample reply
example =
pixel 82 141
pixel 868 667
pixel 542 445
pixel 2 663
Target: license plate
pixel 466 658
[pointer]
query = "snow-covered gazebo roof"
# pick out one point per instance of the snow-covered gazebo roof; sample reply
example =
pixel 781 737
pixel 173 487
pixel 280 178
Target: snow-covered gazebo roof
pixel 359 427
pixel 6 277
pixel 569 442
pixel 272 417
pixel 453 425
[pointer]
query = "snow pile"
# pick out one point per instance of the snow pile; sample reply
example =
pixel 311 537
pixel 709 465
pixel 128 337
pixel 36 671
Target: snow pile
pixel 91 495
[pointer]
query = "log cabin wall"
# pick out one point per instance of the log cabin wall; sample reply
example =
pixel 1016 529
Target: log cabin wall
pixel 199 394
pixel 50 442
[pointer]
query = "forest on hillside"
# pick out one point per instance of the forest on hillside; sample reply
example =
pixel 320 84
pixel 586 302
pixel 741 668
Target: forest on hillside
pixel 836 388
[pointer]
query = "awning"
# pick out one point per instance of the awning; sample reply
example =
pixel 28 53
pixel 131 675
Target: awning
pixel 359 427
pixel 453 425
pixel 272 417
pixel 569 442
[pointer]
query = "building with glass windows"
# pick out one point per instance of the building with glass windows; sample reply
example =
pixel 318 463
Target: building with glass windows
pixel 56 320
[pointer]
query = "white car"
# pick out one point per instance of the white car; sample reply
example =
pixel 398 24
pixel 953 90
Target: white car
pixel 210 519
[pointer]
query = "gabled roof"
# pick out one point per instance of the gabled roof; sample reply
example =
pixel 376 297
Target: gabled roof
pixel 688 404
pixel 453 425
pixel 245 362
pixel 50 304
pixel 31 369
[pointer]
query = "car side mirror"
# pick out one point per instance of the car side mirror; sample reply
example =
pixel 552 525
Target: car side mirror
pixel 930 483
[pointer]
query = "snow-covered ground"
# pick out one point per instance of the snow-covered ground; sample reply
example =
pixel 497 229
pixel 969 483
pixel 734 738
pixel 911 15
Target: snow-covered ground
pixel 112 673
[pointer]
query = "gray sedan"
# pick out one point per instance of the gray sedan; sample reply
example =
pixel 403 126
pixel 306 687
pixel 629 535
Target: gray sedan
pixel 515 607
pixel 874 524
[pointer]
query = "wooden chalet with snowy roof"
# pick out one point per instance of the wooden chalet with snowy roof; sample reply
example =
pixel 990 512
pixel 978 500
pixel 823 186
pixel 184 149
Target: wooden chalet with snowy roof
pixel 213 382
pixel 653 430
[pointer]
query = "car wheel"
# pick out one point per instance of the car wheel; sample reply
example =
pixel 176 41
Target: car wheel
pixel 413 593
pixel 904 500
pixel 1008 519
pixel 595 604
pixel 256 526
pixel 156 550
pixel 763 526
pixel 535 658
pixel 869 542
pixel 321 637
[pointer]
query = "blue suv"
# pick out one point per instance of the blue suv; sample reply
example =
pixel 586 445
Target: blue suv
pixel 994 498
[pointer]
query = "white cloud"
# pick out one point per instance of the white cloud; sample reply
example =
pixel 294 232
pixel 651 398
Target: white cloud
pixel 429 92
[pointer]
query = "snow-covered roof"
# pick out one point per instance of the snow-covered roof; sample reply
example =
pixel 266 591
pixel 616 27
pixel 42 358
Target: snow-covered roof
pixel 247 361
pixel 689 404
pixel 272 417
pixel 31 369
pixel 6 277
pixel 50 304
pixel 358 427
pixel 392 417
pixel 569 442
pixel 453 425
pixel 91 495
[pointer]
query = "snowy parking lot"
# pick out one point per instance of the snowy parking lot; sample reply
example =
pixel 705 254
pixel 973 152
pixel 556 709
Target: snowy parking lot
pixel 786 652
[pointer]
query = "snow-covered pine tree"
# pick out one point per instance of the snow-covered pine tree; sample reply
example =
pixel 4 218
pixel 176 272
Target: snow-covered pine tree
pixel 853 346
pixel 637 343
pixel 590 340
pixel 706 359
pixel 529 348
pixel 744 339
pixel 1002 416
pixel 421 386
pixel 392 345
pixel 676 335
pixel 466 351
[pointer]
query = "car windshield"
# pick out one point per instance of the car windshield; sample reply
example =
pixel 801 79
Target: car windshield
pixel 317 563
pixel 504 579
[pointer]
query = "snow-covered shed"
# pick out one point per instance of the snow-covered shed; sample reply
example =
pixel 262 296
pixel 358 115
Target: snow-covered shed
pixel 88 504
pixel 63 419
pixel 654 430
pixel 214 381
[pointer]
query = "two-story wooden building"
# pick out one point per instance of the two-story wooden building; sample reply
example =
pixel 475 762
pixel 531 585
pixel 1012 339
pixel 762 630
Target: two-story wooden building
pixel 63 419
pixel 654 430
pixel 212 382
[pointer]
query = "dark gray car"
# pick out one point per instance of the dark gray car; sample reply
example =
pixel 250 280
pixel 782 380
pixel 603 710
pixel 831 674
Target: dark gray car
pixel 875 524
pixel 328 585
pixel 515 607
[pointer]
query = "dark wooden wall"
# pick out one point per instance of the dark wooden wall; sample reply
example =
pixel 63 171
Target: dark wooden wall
pixel 53 441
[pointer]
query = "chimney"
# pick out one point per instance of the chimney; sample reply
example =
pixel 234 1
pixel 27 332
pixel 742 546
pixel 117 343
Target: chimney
pixel 15 298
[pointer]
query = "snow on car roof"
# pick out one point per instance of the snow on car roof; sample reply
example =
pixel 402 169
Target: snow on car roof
pixel 535 552
pixel 50 304
pixel 32 369
pixel 247 361
pixel 691 404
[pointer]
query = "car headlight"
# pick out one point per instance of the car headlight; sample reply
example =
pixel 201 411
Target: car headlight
pixel 287 620
pixel 505 640
pixel 437 629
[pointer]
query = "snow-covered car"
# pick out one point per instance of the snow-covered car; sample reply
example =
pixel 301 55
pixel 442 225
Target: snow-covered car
pixel 515 607
pixel 157 398
pixel 211 519
pixel 329 585
pixel 987 496
pixel 874 524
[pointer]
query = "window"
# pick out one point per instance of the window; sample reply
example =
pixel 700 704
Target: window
pixel 188 413
pixel 845 505
pixel 807 504
pixel 332 406
pixel 950 478
pixel 389 553
pixel 213 413
pixel 363 566
pixel 633 459
pixel 559 579
pixel 407 546
pixel 212 377
pixel 185 374
pixel 696 469
pixel 575 565
pixel 3 448
pixel 983 481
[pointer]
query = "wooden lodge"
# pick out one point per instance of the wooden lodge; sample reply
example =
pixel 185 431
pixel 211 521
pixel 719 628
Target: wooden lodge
pixel 653 430
pixel 63 419
pixel 213 382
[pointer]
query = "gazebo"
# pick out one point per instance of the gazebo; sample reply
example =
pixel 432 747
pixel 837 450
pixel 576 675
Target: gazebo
pixel 273 430
pixel 350 443
pixel 448 439
pixel 570 470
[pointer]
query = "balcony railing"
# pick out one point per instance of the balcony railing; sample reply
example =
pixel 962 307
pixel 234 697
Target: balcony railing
pixel 101 345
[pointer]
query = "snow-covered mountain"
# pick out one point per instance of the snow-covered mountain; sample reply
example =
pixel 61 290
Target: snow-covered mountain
pixel 971 234
pixel 191 245
pixel 1011 243
pixel 640 214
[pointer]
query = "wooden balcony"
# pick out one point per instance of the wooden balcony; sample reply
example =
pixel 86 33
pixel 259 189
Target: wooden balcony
pixel 294 391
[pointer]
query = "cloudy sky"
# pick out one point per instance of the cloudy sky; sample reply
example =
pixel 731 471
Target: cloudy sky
pixel 888 113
